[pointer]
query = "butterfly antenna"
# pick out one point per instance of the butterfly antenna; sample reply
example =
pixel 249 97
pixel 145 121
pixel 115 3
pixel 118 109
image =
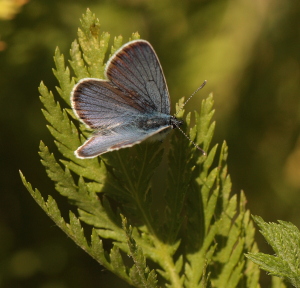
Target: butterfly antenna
pixel 203 152
pixel 199 88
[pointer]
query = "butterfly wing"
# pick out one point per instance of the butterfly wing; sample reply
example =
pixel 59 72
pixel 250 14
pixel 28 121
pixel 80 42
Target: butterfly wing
pixel 135 70
pixel 100 105
pixel 115 140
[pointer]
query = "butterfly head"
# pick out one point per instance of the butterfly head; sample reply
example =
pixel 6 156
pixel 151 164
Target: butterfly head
pixel 175 123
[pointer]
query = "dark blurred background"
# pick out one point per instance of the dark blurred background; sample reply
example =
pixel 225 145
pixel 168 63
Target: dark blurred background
pixel 248 50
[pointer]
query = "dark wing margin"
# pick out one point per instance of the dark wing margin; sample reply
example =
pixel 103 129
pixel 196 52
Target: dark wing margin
pixel 135 70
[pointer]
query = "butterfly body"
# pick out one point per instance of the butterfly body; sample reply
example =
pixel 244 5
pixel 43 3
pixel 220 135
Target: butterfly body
pixel 132 105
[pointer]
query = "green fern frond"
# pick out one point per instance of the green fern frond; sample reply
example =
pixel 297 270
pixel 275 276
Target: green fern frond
pixel 198 238
pixel 284 238
pixel 140 273
pixel 112 261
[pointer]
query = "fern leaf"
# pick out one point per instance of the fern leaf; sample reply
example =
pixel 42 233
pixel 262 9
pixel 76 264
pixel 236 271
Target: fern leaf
pixel 93 45
pixel 62 74
pixel 140 273
pixel 284 239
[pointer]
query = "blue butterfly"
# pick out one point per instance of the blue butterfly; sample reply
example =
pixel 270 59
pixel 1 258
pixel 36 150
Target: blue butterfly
pixel 132 105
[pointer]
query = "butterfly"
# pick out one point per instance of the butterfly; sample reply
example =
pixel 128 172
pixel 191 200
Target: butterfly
pixel 131 105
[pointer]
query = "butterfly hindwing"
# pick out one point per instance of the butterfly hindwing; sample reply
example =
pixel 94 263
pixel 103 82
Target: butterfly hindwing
pixel 115 140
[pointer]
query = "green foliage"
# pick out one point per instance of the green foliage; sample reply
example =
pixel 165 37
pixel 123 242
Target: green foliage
pixel 285 240
pixel 193 233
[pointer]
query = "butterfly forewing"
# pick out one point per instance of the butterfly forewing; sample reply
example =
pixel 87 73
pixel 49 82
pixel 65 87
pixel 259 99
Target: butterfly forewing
pixel 135 69
pixel 99 104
